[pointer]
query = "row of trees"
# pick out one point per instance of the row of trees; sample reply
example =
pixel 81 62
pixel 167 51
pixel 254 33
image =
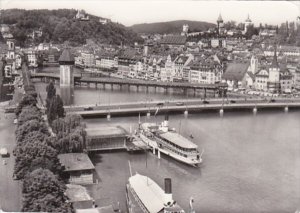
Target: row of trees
pixel 36 162
pixel 36 152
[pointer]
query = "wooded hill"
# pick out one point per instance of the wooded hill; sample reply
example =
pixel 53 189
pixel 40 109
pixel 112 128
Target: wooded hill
pixel 60 25
pixel 171 27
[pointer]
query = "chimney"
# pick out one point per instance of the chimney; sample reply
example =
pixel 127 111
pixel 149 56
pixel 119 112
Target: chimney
pixel 168 192
pixel 166 121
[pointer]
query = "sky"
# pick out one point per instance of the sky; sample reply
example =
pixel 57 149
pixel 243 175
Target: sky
pixel 129 12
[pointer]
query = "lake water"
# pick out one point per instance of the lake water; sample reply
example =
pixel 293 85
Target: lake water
pixel 251 163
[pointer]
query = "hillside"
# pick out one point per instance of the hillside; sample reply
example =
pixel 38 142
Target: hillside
pixel 171 26
pixel 59 26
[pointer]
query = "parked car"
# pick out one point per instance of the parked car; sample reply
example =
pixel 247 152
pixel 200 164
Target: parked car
pixel 4 153
pixel 88 108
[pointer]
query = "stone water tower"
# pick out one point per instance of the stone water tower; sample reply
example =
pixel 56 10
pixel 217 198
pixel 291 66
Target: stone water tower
pixel 66 63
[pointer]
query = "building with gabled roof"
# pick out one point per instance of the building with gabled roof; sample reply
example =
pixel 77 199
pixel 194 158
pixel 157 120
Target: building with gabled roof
pixel 235 74
pixel 78 168
pixel 173 41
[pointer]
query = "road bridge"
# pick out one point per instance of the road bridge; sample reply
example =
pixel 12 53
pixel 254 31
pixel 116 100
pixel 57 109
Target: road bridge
pixel 115 110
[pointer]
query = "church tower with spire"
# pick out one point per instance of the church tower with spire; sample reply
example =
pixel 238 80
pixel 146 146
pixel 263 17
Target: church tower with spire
pixel 220 24
pixel 274 74
pixel 247 23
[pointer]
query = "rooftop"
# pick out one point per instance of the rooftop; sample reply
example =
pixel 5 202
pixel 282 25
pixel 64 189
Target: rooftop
pixel 235 71
pixel 75 161
pixel 66 56
pixel 106 131
pixel 179 140
pixel 179 40
pixel 77 193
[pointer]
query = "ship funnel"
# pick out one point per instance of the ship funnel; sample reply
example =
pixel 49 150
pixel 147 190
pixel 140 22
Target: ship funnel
pixel 168 192
pixel 166 121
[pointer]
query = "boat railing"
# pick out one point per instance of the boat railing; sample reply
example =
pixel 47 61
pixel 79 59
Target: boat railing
pixel 177 149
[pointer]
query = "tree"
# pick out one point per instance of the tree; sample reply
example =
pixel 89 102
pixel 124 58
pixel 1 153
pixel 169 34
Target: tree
pixel 51 92
pixel 27 100
pixel 43 192
pixel 56 109
pixel 70 134
pixel 251 30
pixel 30 126
pixel 29 113
pixel 35 154
pixel 230 25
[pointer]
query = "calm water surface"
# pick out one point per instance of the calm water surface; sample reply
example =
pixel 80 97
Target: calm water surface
pixel 251 163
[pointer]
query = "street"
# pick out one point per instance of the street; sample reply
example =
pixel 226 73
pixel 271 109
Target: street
pixel 10 190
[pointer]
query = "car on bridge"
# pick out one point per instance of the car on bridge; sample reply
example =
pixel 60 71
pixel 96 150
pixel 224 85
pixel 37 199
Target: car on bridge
pixel 272 101
pixel 205 102
pixel 179 104
pixel 232 101
pixel 160 104
pixel 88 108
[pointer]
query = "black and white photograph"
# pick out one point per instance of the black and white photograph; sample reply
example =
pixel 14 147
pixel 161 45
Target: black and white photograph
pixel 149 106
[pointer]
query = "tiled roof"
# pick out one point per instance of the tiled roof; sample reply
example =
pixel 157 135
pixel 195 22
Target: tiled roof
pixel 178 40
pixel 181 59
pixel 252 76
pixel 75 161
pixel 236 71
pixel 66 56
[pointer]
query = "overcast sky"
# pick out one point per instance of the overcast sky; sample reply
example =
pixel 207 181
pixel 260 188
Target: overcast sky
pixel 139 11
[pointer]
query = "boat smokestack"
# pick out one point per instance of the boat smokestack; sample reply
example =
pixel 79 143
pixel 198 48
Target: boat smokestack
pixel 166 121
pixel 168 192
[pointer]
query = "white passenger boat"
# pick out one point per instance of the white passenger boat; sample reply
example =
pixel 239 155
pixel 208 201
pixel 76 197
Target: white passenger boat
pixel 162 139
pixel 143 195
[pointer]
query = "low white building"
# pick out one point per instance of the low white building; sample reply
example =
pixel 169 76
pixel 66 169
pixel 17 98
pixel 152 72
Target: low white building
pixel 107 62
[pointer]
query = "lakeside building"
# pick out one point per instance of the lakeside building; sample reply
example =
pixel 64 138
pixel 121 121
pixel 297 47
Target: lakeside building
pixel 79 196
pixel 78 168
pixel 107 61
pixel 106 138
pixel 234 75
pixel 167 72
pixel 205 72
pixel 88 59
